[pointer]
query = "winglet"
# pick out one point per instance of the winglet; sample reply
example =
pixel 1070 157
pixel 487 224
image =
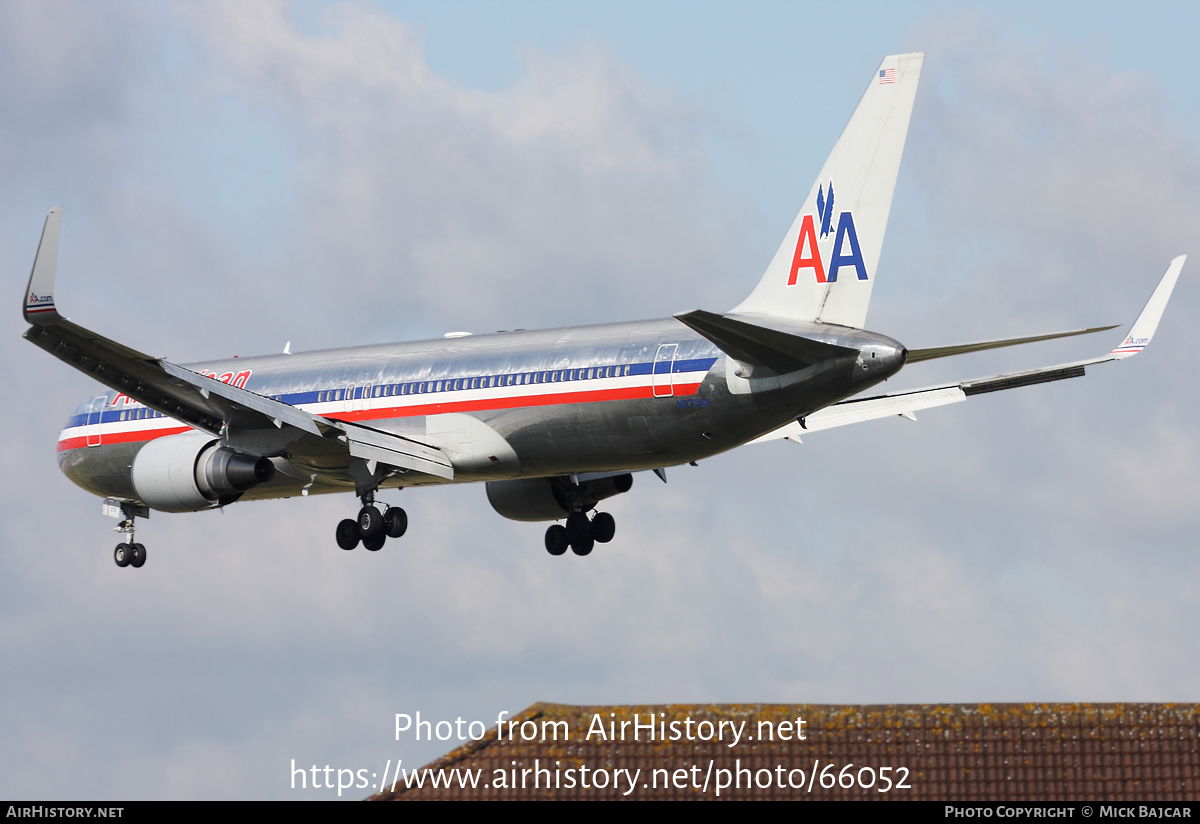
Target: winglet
pixel 1143 328
pixel 39 296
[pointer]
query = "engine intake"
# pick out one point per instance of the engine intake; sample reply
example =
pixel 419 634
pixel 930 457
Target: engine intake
pixel 190 471
pixel 549 499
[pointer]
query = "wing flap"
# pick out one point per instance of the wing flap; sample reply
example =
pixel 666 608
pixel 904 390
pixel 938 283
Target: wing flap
pixel 394 450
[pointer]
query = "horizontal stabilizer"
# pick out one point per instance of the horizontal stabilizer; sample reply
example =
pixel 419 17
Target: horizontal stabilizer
pixel 915 355
pixel 759 346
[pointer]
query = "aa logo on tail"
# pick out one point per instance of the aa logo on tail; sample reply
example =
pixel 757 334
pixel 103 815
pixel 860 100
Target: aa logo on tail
pixel 809 254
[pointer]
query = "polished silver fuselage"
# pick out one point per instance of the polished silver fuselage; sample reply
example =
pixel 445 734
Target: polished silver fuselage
pixel 558 402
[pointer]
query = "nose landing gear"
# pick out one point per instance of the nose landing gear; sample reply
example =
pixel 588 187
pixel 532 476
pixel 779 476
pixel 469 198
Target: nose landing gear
pixel 372 528
pixel 129 553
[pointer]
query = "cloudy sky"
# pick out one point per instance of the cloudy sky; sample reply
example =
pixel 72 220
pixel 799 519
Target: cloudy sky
pixel 235 177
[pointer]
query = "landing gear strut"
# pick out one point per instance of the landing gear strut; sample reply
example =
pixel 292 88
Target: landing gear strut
pixel 372 528
pixel 580 534
pixel 128 553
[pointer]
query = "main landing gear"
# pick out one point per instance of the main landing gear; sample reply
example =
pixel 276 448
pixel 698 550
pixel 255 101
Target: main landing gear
pixel 127 552
pixel 580 534
pixel 373 527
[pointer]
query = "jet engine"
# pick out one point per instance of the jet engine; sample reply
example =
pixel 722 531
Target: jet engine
pixel 549 499
pixel 190 471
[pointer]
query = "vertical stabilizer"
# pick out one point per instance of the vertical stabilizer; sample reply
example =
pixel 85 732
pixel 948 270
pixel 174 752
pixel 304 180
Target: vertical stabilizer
pixel 825 267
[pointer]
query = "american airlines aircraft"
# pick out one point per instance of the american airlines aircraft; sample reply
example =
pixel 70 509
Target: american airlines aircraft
pixel 554 421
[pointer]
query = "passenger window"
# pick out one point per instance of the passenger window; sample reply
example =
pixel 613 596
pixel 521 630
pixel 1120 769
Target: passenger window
pixel 626 369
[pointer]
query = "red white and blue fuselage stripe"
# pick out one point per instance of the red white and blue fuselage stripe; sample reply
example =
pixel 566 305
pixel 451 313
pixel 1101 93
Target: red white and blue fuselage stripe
pixel 127 421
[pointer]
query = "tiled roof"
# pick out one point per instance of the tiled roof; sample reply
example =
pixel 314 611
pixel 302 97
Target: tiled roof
pixel 960 752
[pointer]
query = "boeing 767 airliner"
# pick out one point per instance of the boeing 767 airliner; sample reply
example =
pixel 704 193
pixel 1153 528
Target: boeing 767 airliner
pixel 553 421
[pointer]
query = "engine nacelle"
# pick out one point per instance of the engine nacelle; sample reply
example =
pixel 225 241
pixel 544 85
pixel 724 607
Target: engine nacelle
pixel 191 471
pixel 549 499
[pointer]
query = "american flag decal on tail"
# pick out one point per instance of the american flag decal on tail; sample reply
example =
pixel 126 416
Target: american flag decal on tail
pixel 887 76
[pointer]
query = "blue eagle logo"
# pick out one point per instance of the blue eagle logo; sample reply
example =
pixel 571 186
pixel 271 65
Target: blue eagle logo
pixel 825 209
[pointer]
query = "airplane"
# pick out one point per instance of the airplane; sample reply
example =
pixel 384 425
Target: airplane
pixel 552 422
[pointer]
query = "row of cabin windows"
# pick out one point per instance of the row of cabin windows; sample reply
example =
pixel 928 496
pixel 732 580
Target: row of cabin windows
pixel 140 414
pixel 521 379
pixel 422 387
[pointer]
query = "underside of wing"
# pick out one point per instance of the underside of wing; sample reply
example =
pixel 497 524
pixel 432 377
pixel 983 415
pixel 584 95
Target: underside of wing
pixel 905 404
pixel 251 422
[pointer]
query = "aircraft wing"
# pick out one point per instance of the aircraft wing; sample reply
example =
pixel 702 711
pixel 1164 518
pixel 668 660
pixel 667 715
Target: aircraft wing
pixel 905 404
pixel 199 401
